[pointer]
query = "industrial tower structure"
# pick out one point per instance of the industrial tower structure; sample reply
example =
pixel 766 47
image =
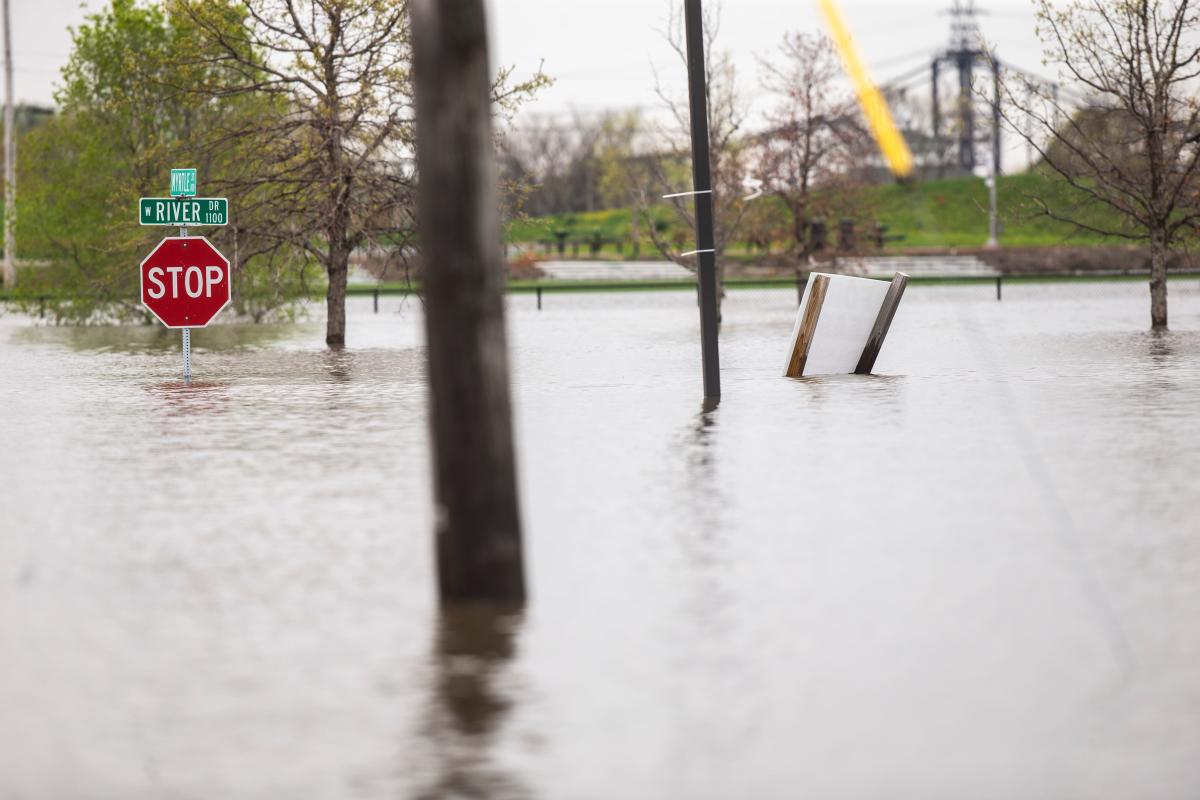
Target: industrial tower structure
pixel 964 53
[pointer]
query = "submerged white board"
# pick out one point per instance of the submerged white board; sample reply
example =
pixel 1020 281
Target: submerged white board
pixel 847 316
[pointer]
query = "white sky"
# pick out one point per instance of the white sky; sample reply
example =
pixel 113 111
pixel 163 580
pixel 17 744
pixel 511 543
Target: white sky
pixel 602 52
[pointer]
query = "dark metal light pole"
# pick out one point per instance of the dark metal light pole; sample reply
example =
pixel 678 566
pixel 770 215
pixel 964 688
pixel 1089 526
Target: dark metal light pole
pixel 702 186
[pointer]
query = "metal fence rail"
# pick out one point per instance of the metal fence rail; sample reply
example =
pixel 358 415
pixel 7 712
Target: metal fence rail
pixel 961 288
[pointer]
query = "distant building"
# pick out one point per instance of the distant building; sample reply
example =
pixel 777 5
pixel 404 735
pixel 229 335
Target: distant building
pixel 29 117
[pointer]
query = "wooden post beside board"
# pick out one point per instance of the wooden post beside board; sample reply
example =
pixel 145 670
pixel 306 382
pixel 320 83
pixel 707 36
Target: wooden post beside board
pixel 883 322
pixel 808 326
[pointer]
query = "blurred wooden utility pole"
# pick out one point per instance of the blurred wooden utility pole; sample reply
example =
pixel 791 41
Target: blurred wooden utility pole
pixel 703 188
pixel 10 157
pixel 478 524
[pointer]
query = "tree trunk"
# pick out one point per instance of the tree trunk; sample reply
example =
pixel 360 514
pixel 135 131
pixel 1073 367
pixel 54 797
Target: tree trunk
pixel 335 297
pixel 478 524
pixel 800 235
pixel 634 235
pixel 1158 280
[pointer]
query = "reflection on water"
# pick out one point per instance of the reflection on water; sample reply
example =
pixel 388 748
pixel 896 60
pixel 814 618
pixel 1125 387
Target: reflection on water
pixel 154 338
pixel 700 450
pixel 977 568
pixel 469 703
pixel 1157 367
pixel 180 399
pixel 339 365
pixel 1161 346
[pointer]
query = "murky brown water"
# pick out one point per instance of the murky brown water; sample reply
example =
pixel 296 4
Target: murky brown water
pixel 974 575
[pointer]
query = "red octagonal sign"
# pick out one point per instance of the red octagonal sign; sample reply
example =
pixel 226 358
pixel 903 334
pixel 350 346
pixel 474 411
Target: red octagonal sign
pixel 185 282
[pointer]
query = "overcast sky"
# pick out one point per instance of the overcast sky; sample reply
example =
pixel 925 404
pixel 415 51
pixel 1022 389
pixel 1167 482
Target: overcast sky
pixel 601 52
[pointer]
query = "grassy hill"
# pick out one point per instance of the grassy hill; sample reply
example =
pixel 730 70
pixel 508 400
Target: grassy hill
pixel 932 214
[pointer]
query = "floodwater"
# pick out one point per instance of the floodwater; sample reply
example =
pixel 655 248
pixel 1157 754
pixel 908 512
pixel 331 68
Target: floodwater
pixel 974 575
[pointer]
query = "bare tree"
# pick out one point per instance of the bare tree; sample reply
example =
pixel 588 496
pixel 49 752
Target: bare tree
pixel 536 152
pixel 556 159
pixel 621 163
pixel 1137 148
pixel 580 164
pixel 728 152
pixel 330 154
pixel 815 140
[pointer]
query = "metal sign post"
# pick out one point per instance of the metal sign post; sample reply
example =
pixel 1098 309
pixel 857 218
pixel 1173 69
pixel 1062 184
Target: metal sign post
pixel 187 337
pixel 187 356
pixel 185 281
pixel 702 188
pixel 183 185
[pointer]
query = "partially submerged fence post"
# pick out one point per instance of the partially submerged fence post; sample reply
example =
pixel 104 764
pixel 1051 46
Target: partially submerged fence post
pixel 478 524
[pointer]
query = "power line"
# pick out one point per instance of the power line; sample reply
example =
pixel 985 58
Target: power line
pixel 903 77
pixel 923 53
pixel 1066 90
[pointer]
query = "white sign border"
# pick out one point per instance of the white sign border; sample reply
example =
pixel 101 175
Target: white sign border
pixel 195 175
pixel 183 224
pixel 142 282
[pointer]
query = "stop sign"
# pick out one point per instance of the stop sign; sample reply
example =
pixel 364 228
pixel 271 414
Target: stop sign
pixel 185 281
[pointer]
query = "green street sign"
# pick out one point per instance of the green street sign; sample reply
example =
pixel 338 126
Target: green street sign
pixel 183 182
pixel 183 212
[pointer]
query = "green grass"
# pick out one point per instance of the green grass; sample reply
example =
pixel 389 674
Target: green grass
pixel 930 214
pixel 953 213
pixel 612 223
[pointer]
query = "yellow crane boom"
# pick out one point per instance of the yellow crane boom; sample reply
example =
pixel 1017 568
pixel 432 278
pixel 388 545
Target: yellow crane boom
pixel 875 109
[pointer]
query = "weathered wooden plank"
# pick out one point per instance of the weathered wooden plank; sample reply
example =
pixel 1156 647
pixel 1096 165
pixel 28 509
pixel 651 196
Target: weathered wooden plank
pixel 808 326
pixel 887 312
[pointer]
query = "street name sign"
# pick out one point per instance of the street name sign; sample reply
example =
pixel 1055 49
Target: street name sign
pixel 183 182
pixel 185 282
pixel 183 212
